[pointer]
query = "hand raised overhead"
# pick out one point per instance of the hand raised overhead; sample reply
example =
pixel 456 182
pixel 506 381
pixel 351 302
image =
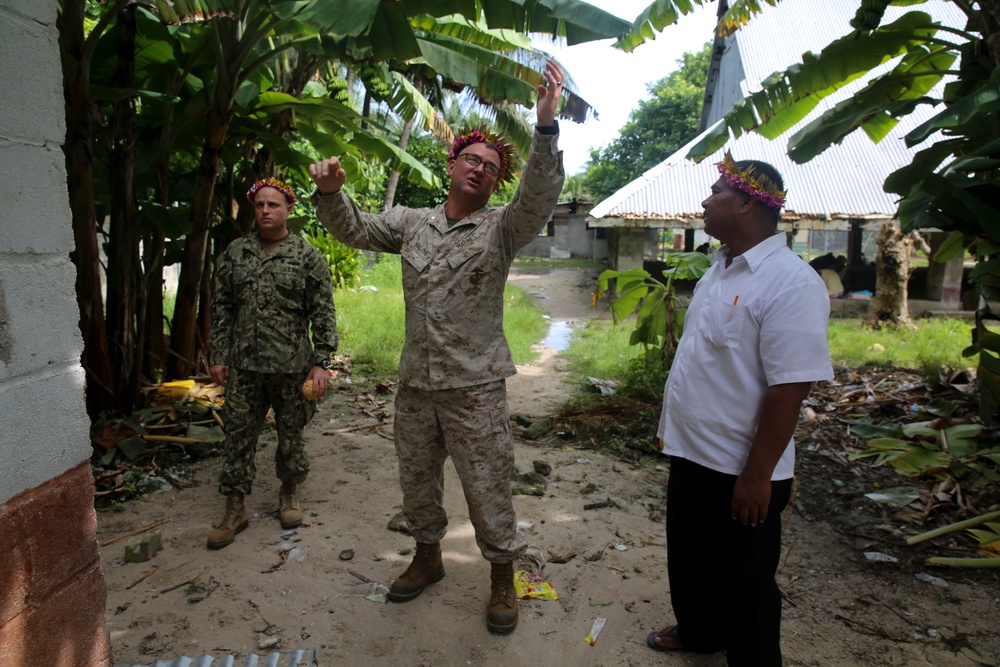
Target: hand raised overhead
pixel 549 93
pixel 328 175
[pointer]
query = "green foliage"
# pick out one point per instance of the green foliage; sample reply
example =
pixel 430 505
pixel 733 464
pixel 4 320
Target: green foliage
pixel 371 318
pixel 434 155
pixel 655 130
pixel 936 343
pixel 602 349
pixel 659 320
pixel 960 451
pixel 523 324
pixel 345 262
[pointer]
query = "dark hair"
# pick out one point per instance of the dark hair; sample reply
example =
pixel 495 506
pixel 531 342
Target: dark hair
pixel 764 170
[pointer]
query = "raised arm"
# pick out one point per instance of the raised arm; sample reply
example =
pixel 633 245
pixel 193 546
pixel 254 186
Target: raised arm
pixel 328 175
pixel 548 95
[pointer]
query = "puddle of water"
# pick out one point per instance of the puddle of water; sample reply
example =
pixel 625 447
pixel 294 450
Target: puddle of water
pixel 560 332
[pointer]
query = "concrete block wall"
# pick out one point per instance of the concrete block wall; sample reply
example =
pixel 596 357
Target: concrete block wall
pixel 52 592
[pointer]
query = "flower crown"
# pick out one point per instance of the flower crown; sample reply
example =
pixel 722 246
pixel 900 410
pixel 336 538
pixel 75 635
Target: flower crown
pixel 508 160
pixel 280 186
pixel 759 187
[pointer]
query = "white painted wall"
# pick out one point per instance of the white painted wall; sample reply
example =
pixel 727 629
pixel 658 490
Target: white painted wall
pixel 44 430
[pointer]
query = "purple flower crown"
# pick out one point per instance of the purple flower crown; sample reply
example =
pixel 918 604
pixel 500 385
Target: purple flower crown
pixel 759 187
pixel 280 186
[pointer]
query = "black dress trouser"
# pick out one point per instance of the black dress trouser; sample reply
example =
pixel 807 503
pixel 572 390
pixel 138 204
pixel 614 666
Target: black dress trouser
pixel 721 572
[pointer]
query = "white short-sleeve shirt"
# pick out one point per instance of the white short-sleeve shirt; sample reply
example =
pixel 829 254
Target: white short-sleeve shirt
pixel 759 322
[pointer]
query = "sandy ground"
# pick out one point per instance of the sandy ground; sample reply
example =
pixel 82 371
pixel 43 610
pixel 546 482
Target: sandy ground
pixel 270 591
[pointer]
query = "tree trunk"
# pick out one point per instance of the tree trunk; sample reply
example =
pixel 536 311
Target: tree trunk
pixel 80 182
pixel 123 242
pixel 204 331
pixel 892 264
pixel 154 349
pixel 393 183
pixel 183 343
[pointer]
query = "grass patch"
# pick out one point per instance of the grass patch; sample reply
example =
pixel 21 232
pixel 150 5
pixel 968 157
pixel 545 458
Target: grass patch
pixel 936 343
pixel 600 349
pixel 371 319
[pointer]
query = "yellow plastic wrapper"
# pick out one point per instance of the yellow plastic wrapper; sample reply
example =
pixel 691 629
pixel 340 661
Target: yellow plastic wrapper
pixel 595 630
pixel 529 586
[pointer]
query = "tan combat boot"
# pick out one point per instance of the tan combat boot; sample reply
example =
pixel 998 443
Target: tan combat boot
pixel 234 521
pixel 501 616
pixel 425 568
pixel 289 512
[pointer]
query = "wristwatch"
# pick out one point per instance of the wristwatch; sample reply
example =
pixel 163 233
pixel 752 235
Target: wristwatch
pixel 324 364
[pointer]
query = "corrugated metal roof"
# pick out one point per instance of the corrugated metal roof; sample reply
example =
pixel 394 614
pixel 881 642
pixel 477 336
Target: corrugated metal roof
pixel 295 658
pixel 845 181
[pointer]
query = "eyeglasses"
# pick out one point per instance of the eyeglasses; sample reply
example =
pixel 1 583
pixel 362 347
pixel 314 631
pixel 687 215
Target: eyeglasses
pixel 475 161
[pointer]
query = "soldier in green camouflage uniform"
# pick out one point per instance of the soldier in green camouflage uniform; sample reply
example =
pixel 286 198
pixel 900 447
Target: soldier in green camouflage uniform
pixel 269 288
pixel 452 398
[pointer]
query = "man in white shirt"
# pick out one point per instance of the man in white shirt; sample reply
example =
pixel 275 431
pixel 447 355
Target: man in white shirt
pixel 754 342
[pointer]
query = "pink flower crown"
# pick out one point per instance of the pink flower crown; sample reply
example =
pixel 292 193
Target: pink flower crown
pixel 280 186
pixel 508 161
pixel 760 187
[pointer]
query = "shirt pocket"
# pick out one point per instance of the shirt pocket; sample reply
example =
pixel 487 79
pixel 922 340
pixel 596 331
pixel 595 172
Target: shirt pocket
pixel 475 276
pixel 244 283
pixel 725 322
pixel 290 288
pixel 415 257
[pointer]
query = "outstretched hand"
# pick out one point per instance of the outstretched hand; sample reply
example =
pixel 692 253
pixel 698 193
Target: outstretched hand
pixel 549 92
pixel 328 175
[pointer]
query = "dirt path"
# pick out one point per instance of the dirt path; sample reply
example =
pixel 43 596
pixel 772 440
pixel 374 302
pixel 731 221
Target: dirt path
pixel 265 593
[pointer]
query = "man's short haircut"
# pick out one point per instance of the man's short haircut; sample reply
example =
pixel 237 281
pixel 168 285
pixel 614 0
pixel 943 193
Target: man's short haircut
pixel 764 169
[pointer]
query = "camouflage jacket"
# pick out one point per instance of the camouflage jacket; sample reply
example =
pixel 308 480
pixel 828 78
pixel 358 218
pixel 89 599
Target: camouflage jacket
pixel 454 277
pixel 264 304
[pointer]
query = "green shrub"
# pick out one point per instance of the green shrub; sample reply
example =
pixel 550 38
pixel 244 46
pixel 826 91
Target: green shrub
pixel 345 262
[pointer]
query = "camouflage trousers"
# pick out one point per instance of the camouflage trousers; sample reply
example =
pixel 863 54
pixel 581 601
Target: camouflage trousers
pixel 472 425
pixel 248 396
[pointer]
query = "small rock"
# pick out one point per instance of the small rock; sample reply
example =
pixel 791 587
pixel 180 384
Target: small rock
pixel 522 420
pixel 399 524
pixel 538 429
pixel 528 484
pixel 141 550
pixel 542 468
pixel 268 642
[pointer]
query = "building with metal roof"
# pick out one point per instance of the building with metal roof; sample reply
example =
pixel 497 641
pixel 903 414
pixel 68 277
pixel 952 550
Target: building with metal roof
pixel 840 189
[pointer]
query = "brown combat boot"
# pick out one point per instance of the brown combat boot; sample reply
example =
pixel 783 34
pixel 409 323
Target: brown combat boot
pixel 425 568
pixel 501 616
pixel 289 512
pixel 234 521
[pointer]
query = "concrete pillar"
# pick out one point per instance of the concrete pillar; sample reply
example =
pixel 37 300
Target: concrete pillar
pixel 944 279
pixel 52 610
pixel 629 244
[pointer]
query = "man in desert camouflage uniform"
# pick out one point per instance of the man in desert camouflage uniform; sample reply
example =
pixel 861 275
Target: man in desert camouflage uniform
pixel 452 396
pixel 269 287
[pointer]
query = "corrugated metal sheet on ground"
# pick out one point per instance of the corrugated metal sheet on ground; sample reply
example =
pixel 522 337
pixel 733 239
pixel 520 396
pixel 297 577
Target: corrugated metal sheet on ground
pixel 296 658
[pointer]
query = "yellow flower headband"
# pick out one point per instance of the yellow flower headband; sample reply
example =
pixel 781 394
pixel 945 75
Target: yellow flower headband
pixel 508 160
pixel 759 187
pixel 280 186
